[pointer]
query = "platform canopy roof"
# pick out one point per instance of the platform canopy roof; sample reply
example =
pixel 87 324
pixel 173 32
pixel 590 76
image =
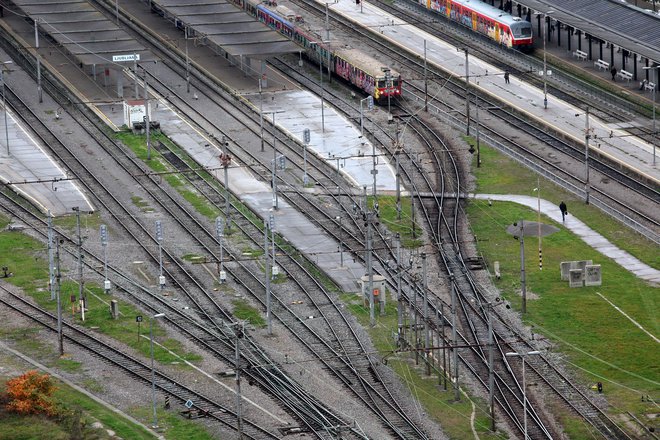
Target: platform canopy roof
pixel 614 21
pixel 86 33
pixel 229 27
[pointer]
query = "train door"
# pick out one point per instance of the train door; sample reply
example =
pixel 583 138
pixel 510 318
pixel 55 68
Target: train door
pixel 474 21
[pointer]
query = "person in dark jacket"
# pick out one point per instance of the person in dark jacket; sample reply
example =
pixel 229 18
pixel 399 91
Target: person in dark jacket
pixel 564 210
pixel 613 72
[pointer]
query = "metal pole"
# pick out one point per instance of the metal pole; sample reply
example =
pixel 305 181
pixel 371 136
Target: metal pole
pixel 655 133
pixel 545 70
pixel 153 372
pixel 491 367
pixel 237 361
pixel 427 343
pixel 374 171
pixel 188 62
pixel 398 184
pixel 104 244
pixel 267 270
pixel 58 278
pixel 227 202
pixel 81 291
pixel 476 97
pixel 51 262
pixel 117 11
pixel 538 220
pixel 261 116
pixel 305 178
pixel 219 230
pixel 399 306
pixel 327 23
pixel 586 157
pixel 36 54
pixel 135 58
pixel 444 351
pixel 341 244
pixel 274 163
pixel 426 83
pixel 524 399
pixel 146 114
pixel 271 222
pixel 361 119
pixel 454 336
pixel 4 105
pixel 467 91
pixel 321 76
pixel 523 285
pixel 159 238
pixel 372 319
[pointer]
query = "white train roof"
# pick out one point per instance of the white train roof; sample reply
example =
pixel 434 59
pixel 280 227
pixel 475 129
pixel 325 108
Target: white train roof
pixel 489 11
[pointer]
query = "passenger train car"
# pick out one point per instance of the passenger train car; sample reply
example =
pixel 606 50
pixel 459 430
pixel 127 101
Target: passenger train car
pixel 510 31
pixel 351 65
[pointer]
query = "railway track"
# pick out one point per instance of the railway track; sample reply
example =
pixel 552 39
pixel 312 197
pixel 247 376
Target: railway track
pixel 133 367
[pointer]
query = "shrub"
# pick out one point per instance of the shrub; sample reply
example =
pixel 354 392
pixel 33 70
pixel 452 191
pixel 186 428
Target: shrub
pixel 31 393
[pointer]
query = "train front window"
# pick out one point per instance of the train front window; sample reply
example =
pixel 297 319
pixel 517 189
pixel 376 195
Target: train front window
pixel 522 30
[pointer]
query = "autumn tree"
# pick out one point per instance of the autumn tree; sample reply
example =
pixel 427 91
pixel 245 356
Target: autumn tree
pixel 31 393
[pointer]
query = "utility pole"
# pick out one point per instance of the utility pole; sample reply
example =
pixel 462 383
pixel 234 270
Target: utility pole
pixel 454 336
pixel 225 161
pixel 81 285
pixel 444 350
pixel 159 238
pixel 220 232
pixel 491 367
pixel 368 217
pixel 146 113
pixel 104 243
pixel 586 156
pixel 58 279
pixel 267 272
pixel 185 34
pixel 426 83
pixel 36 53
pixel 523 283
pixel 240 329
pixel 374 171
pixel 467 91
pixel 51 263
pixel 399 306
pixel 427 343
pixel 271 225
pixel 397 152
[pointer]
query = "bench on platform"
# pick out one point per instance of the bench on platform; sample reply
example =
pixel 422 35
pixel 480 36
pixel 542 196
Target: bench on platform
pixel 602 64
pixel 625 75
pixel 582 56
pixel 649 86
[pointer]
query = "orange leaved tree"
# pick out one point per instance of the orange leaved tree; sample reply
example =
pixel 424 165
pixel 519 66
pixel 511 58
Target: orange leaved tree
pixel 31 393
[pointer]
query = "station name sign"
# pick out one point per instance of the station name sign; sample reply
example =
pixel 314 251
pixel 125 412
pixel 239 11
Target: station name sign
pixel 120 58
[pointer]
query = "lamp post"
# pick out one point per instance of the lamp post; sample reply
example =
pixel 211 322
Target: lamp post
pixel 318 46
pixel 388 86
pixel 274 171
pixel 4 103
pixel 587 135
pixel 153 371
pixel 655 88
pixel 370 106
pixel 523 356
pixel 341 243
pixel 545 70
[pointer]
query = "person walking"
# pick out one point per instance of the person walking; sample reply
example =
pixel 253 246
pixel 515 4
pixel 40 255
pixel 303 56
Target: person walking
pixel 613 72
pixel 506 77
pixel 564 211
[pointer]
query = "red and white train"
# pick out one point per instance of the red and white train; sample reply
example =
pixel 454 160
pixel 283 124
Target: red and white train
pixel 508 30
pixel 361 70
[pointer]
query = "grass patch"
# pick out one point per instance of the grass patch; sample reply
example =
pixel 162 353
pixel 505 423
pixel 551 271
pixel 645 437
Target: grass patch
pixel 87 221
pixel 500 175
pixel 244 311
pixel 172 425
pixel 142 204
pixel 408 231
pixel 68 365
pixel 596 337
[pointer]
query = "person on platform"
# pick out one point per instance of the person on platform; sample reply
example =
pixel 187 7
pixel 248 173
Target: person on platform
pixel 506 77
pixel 564 211
pixel 613 72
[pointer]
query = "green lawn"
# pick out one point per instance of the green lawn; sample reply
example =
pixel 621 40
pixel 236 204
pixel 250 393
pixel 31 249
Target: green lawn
pixel 602 343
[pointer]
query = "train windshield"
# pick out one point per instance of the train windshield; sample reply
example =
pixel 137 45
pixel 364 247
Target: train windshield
pixel 382 83
pixel 522 30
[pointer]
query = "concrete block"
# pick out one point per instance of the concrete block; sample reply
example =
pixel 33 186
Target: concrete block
pixel 593 275
pixel 576 278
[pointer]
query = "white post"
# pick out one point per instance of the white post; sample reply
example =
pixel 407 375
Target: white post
pixel 4 105
pixel 586 157
pixel 153 371
pixel 36 54
pixel 545 70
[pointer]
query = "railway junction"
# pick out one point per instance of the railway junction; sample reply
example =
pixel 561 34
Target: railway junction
pixel 328 130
